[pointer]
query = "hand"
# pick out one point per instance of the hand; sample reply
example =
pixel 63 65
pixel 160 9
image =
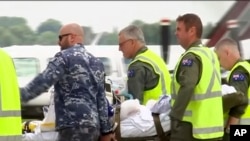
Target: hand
pixel 109 137
pixel 174 123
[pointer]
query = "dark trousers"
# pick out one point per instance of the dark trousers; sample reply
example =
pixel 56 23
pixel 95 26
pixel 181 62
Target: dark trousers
pixel 182 131
pixel 79 134
pixel 226 137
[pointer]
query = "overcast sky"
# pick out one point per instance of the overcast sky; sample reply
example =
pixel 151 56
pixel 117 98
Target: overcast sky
pixel 106 15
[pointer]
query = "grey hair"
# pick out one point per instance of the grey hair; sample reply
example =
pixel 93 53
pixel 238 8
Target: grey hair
pixel 227 42
pixel 133 32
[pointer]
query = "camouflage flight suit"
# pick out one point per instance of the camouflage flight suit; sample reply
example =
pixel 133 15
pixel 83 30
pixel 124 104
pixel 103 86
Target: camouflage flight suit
pixel 80 104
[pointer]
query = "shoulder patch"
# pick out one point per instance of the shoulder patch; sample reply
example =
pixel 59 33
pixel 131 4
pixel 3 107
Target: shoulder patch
pixel 187 62
pixel 238 77
pixel 131 73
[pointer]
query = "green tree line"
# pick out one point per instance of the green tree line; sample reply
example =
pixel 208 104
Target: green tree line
pixel 15 31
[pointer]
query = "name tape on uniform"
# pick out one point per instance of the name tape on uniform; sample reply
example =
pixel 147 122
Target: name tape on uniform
pixel 239 132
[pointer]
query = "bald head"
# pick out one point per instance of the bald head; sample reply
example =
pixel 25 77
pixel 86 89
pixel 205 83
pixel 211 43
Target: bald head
pixel 73 28
pixel 70 34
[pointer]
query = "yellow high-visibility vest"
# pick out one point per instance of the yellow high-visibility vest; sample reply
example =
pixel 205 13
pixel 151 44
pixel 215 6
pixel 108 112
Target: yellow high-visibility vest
pixel 245 118
pixel 10 114
pixel 160 68
pixel 204 110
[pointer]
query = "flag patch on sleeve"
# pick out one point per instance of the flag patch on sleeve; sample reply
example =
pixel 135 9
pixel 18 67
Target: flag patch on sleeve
pixel 238 77
pixel 187 62
pixel 131 73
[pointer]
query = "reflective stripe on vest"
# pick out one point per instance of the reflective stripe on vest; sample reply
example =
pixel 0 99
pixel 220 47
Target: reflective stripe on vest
pixel 161 69
pixel 163 86
pixel 10 114
pixel 245 118
pixel 207 130
pixel 11 138
pixel 245 121
pixel 209 93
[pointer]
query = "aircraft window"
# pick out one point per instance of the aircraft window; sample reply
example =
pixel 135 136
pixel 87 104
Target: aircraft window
pixel 107 65
pixel 26 67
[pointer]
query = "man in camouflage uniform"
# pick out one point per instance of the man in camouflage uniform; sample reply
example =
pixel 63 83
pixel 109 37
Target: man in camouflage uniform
pixel 78 77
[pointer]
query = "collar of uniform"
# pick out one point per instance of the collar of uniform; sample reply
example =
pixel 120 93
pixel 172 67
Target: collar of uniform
pixel 78 45
pixel 141 50
pixel 239 60
pixel 197 43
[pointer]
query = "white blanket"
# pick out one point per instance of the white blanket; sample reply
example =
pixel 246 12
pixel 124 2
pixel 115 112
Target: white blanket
pixel 42 136
pixel 142 124
pixel 226 89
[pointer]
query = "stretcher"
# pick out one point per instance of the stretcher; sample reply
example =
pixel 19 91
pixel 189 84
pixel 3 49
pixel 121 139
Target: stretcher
pixel 161 132
pixel 160 135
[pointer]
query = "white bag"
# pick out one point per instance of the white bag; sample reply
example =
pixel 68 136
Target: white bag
pixel 163 105
pixel 43 136
pixel 48 123
pixel 129 108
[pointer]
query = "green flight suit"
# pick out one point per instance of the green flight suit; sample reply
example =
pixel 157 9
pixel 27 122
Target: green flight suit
pixel 238 108
pixel 187 76
pixel 141 77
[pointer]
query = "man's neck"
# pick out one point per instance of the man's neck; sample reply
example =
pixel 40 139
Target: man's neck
pixel 194 43
pixel 138 51
pixel 236 60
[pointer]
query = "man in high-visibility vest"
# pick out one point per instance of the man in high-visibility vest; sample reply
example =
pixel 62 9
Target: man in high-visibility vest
pixel 10 115
pixel 196 87
pixel 148 75
pixel 239 77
